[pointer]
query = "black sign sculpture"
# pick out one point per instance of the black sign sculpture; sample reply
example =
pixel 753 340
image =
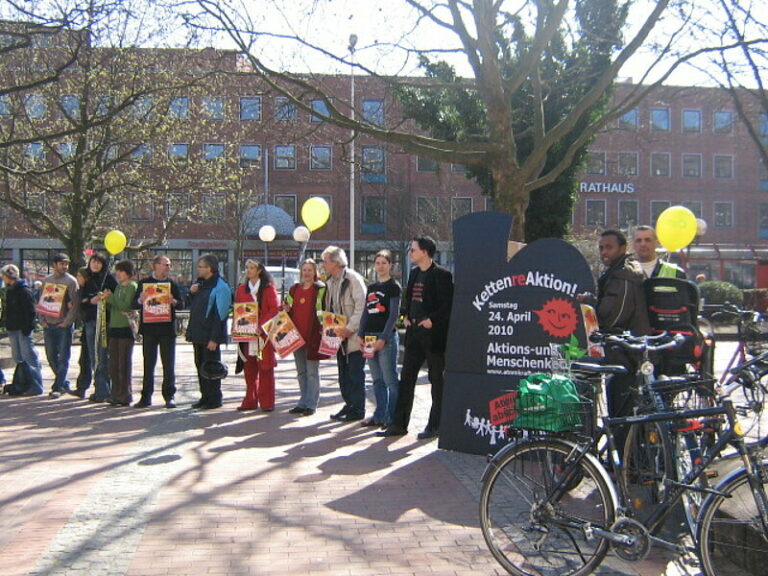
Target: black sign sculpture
pixel 509 319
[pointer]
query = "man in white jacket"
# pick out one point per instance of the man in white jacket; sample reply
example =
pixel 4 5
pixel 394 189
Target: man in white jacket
pixel 345 294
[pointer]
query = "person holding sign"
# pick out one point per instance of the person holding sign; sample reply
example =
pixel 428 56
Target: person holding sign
pixel 345 295
pixel 427 308
pixel 57 310
pixel 157 298
pixel 210 298
pixel 377 326
pixel 256 356
pixel 303 302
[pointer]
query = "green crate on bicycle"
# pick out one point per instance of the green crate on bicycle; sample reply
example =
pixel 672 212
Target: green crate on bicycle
pixel 548 402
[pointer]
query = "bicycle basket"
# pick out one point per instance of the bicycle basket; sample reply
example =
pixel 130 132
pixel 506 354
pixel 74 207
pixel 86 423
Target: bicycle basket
pixel 550 403
pixel 756 337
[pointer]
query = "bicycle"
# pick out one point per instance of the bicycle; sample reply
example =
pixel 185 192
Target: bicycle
pixel 536 522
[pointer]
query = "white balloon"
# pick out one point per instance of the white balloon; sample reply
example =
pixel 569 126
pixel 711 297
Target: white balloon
pixel 301 234
pixel 701 227
pixel 267 233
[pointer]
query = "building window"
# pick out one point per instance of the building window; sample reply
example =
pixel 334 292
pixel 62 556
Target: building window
pixel 488 203
pixel 142 208
pixel 629 120
pixel 373 112
pixel 424 164
pixel 250 156
pixel 35 200
pixel 178 153
pixel 628 213
pixel 111 152
pixel 657 207
pixel 595 213
pixel 66 151
pixel 763 213
pixel 460 206
pixel 213 107
pixel 178 108
pixel 659 119
pixel 723 215
pixel 177 207
pixel 319 106
pixel 373 164
pixel 214 207
pixel 764 125
pixel 142 154
pixel 70 106
pixel 723 122
pixel 596 163
pixel 426 210
pixel 660 164
pixel 320 157
pixel 285 157
pixel 286 202
pixel 213 152
pixel 250 108
pixel 374 214
pixel 628 164
pixel 35 106
pixel 459 168
pixel 103 105
pixel 285 110
pixel 34 155
pixel 691 121
pixel 5 106
pixel 723 166
pixel 142 108
pixel 691 165
pixel 695 207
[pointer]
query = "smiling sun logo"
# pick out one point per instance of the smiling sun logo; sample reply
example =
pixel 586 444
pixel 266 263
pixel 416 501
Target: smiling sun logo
pixel 558 318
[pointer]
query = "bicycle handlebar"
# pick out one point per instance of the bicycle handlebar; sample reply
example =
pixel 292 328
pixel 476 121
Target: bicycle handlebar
pixel 632 343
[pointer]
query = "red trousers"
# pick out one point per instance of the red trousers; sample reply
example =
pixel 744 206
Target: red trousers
pixel 259 386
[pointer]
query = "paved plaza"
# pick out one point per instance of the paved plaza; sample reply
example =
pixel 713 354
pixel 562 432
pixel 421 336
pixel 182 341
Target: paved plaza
pixel 89 489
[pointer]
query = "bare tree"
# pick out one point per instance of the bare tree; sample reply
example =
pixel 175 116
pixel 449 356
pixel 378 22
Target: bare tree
pixel 509 51
pixel 91 148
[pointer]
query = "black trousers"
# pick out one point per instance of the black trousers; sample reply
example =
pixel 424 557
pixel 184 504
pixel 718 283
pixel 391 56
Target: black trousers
pixel 152 340
pixel 210 390
pixel 418 349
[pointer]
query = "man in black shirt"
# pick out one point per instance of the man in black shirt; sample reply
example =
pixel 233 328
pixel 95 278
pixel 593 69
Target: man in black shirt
pixel 427 309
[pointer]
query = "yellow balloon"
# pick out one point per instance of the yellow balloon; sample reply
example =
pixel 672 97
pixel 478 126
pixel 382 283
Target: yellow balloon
pixel 115 242
pixel 676 228
pixel 315 213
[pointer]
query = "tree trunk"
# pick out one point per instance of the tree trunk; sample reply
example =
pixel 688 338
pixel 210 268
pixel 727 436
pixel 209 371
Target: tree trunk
pixel 511 197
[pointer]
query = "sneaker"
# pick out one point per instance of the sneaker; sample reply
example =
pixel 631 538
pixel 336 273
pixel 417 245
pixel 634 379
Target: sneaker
pixel 142 404
pixel 170 404
pixel 79 392
pixel 307 412
pixel 428 434
pixel 296 410
pixel 54 394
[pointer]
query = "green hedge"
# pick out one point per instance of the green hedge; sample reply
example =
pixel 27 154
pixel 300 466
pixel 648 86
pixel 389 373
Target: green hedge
pixel 715 292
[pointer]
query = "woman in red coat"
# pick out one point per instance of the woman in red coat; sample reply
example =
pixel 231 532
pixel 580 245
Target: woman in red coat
pixel 258 357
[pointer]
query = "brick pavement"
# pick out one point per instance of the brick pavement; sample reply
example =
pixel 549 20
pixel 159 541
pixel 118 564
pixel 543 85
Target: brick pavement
pixel 95 490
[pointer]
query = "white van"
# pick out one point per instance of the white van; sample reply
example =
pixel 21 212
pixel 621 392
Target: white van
pixel 287 279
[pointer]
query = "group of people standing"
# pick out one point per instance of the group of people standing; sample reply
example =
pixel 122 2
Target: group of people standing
pixel 111 309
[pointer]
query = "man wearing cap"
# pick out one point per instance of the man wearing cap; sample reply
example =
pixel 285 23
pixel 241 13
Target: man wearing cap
pixel 58 326
pixel 20 322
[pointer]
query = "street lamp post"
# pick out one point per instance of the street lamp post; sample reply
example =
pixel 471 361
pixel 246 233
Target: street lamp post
pixel 352 44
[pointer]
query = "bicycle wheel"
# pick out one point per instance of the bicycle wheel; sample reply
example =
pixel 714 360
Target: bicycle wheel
pixel 688 451
pixel 533 523
pixel 731 538
pixel 647 464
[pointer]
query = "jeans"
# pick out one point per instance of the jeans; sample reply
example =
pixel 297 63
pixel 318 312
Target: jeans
pixel 151 341
pixel 308 373
pixel 352 382
pixel 383 367
pixel 102 382
pixel 58 347
pixel 23 350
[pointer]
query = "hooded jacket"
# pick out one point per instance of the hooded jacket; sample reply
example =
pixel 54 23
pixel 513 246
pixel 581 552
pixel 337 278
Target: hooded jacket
pixel 620 298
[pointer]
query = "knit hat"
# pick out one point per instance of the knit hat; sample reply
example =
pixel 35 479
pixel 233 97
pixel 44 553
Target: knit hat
pixel 10 270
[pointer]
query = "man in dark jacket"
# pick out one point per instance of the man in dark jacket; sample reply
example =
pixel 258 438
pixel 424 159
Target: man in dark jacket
pixel 211 298
pixel 20 322
pixel 620 306
pixel 427 310
pixel 158 332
